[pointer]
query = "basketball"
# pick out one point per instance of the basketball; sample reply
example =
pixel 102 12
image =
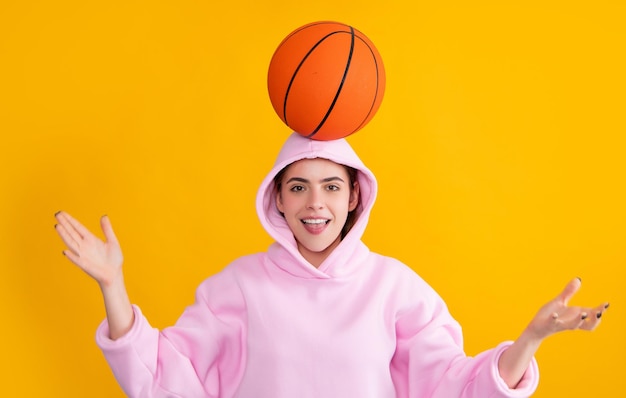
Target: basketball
pixel 326 80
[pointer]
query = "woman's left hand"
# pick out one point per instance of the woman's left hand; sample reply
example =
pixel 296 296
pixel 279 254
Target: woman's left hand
pixel 556 315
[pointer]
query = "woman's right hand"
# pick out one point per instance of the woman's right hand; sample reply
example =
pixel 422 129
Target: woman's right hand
pixel 102 260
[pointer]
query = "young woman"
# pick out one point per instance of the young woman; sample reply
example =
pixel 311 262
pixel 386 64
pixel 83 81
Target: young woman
pixel 317 315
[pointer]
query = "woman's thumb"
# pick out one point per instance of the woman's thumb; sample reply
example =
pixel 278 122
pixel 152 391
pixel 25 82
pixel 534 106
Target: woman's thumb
pixel 570 289
pixel 107 229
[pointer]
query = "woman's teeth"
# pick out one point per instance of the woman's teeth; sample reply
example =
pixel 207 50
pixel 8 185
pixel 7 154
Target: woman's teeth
pixel 315 221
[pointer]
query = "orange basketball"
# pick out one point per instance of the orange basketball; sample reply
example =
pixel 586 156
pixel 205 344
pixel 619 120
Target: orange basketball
pixel 326 80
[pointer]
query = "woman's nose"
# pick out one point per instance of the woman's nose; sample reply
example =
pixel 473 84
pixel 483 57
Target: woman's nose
pixel 315 201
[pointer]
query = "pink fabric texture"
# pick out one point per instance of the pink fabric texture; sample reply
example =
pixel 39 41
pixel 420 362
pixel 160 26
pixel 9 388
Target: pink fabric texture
pixel 270 325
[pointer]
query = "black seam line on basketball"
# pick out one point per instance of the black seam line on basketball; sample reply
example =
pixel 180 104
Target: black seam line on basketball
pixel 343 80
pixel 295 73
pixel 377 83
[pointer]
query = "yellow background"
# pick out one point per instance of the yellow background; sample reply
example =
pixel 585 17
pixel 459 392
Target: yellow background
pixel 499 150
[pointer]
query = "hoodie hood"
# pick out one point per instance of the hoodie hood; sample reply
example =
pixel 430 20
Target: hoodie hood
pixel 284 253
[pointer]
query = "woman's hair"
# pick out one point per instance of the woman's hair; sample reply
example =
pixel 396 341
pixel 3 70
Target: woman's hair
pixel 352 176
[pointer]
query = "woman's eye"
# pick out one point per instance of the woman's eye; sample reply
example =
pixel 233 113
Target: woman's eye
pixel 332 188
pixel 296 188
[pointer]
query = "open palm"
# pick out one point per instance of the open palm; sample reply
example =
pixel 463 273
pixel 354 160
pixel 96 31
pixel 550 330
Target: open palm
pixel 557 315
pixel 102 260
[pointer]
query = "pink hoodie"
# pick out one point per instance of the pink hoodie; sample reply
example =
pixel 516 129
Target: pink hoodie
pixel 271 325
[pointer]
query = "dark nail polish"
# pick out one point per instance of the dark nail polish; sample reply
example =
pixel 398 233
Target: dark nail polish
pixel 599 315
pixel 57 213
pixel 579 278
pixel 606 305
pixel 583 317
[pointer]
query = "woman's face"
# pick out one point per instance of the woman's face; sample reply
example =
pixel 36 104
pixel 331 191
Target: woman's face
pixel 315 197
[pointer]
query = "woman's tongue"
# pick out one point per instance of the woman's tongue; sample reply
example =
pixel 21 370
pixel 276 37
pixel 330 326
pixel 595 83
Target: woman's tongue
pixel 315 225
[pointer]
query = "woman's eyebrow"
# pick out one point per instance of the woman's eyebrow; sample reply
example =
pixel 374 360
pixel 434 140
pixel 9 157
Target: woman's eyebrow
pixel 329 179
pixel 305 181
pixel 297 179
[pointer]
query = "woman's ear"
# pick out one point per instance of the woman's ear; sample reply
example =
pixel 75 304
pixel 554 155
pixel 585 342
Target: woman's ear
pixel 354 196
pixel 279 202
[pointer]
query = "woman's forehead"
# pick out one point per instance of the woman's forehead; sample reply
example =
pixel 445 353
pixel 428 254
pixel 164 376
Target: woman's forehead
pixel 316 166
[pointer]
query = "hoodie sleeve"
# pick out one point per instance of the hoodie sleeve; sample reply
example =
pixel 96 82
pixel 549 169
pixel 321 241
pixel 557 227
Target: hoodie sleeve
pixel 430 361
pixel 200 356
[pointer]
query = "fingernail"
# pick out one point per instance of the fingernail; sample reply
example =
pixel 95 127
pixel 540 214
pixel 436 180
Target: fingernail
pixel 583 316
pixel 606 305
pixel 57 213
pixel 579 278
pixel 63 252
pixel 599 315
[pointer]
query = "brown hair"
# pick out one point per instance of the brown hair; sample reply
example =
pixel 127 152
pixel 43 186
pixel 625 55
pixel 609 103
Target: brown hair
pixel 352 176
